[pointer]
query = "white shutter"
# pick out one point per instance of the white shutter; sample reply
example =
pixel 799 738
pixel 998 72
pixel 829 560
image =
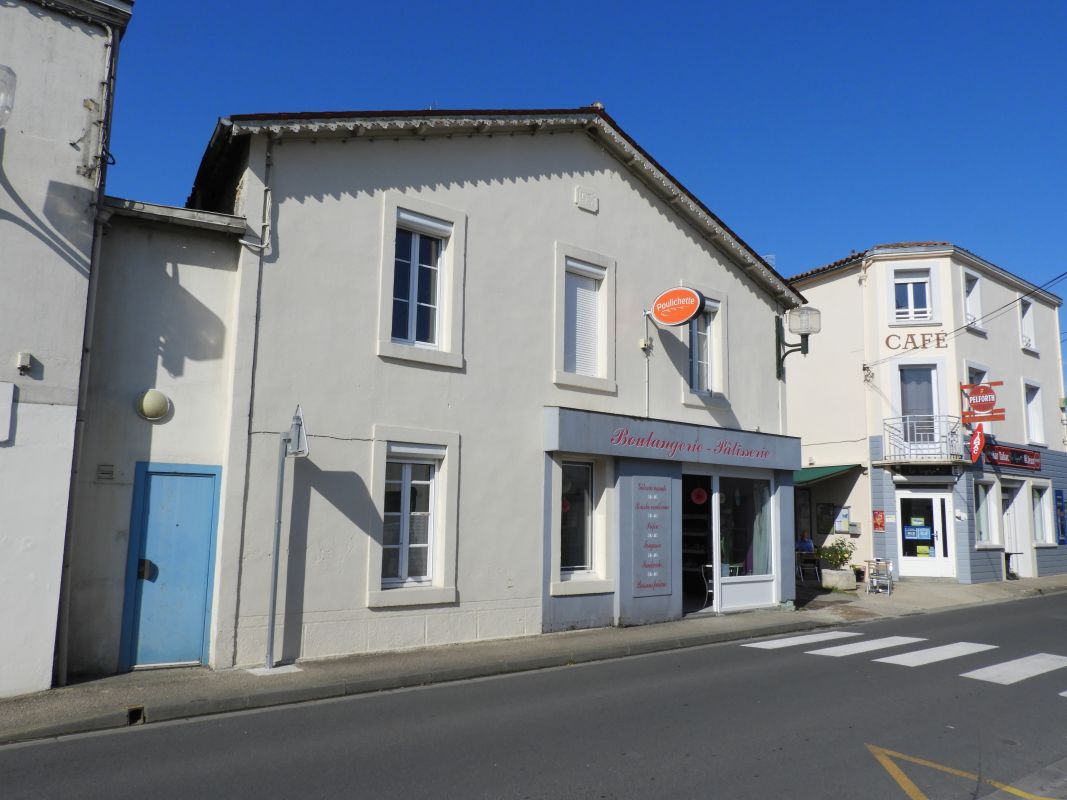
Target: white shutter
pixel 581 339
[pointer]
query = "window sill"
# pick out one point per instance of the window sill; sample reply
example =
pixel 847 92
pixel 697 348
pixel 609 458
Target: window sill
pixel 978 330
pixel 581 585
pixel 422 355
pixel 913 323
pixel 1033 443
pixel 726 580
pixel 1045 545
pixel 1030 351
pixel 571 380
pixel 410 596
pixel 995 547
pixel 693 399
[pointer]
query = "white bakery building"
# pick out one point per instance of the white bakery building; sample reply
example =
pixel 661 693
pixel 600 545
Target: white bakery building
pixel 502 442
pixel 921 342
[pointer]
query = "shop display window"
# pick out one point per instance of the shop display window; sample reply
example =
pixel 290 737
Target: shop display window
pixel 745 532
pixel 576 517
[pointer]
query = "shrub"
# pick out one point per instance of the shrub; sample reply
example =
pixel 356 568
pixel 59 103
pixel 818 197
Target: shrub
pixel 837 553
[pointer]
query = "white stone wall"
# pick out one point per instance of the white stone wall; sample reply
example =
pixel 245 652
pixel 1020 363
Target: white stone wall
pixel 318 342
pixel 46 232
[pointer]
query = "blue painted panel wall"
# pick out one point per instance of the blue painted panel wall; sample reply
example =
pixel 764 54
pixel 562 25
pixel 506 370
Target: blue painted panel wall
pixel 632 610
pixel 883 498
pixel 1053 560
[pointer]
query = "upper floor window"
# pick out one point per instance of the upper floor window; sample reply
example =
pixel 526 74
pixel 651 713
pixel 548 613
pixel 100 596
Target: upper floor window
pixel 416 278
pixel 1026 325
pixel 1035 428
pixel 972 299
pixel 584 335
pixel 423 257
pixel 911 295
pixel 700 352
pixel 582 318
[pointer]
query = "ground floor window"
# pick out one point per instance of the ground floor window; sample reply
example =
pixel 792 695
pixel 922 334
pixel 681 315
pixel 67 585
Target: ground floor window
pixel 407 534
pixel 1042 528
pixel 576 517
pixel 983 532
pixel 745 526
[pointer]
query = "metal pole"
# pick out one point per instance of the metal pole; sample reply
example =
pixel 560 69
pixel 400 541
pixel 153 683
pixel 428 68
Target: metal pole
pixel 282 447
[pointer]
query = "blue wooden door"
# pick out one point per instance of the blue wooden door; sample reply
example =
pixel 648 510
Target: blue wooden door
pixel 170 565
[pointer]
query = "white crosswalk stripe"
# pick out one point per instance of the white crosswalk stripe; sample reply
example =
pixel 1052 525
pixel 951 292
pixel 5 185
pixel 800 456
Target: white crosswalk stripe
pixel 865 646
pixel 918 658
pixel 1019 669
pixel 793 641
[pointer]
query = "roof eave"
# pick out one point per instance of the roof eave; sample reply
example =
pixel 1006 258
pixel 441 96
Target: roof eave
pixel 592 119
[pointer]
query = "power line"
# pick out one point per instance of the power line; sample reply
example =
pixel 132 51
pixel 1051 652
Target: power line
pixel 996 312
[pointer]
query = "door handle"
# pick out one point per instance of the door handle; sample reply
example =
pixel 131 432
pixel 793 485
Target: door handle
pixel 146 570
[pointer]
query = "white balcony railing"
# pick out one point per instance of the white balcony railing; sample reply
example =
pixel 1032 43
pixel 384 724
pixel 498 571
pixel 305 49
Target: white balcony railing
pixel 923 438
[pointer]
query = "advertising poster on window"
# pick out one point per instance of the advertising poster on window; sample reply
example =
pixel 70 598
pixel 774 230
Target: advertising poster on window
pixel 1061 518
pixel 652 521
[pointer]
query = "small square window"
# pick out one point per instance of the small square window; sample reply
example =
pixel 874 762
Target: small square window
pixel 911 295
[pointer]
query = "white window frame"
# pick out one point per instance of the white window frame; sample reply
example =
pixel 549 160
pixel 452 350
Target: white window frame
pixel 415 266
pixel 911 276
pixel 968 367
pixel 1034 413
pixel 450 226
pixel 1042 516
pixel 972 302
pixel 416 446
pixel 569 258
pixel 594 580
pixel 398 455
pixel 718 394
pixel 1027 335
pixel 992 502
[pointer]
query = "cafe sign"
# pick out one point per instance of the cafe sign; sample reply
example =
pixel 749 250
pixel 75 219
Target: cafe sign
pixel 677 306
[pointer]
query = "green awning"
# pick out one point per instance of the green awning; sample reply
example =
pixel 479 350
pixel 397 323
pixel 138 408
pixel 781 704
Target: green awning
pixel 816 474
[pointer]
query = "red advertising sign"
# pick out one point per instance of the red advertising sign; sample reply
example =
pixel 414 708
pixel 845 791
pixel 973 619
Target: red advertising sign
pixel 1014 457
pixel 677 306
pixel 981 403
pixel 982 398
pixel 879 522
pixel 977 443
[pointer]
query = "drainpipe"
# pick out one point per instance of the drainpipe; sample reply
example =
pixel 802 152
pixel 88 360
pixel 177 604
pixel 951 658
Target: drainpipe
pixel 111 57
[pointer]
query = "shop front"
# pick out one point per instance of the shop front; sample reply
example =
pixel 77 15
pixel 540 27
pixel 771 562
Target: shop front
pixel 648 520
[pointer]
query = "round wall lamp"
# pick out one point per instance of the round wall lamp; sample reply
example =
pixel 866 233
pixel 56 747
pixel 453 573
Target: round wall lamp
pixel 153 405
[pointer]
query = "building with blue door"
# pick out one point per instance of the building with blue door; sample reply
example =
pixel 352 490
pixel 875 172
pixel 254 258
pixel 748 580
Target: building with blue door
pixel 502 441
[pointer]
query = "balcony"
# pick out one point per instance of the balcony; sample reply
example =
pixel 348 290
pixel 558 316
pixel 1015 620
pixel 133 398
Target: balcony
pixel 922 439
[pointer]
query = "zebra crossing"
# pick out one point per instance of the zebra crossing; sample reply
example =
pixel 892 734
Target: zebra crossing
pixel 1004 673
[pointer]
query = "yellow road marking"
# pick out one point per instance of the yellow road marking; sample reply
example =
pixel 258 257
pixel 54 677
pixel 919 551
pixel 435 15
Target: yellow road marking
pixel 888 758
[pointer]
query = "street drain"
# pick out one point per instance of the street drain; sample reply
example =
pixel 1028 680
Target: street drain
pixel 135 715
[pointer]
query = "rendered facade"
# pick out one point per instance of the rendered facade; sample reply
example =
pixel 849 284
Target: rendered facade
pixel 921 342
pixel 501 441
pixel 53 152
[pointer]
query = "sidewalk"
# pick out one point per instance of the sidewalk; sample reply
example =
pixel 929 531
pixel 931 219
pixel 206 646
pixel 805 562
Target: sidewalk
pixel 156 695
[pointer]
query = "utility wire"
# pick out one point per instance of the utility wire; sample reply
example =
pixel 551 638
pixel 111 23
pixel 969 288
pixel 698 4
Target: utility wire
pixel 996 312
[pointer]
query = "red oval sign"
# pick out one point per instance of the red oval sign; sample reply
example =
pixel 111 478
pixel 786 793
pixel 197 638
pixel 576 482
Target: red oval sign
pixel 677 306
pixel 982 399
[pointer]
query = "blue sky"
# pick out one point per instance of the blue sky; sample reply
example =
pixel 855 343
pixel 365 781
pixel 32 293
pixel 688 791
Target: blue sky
pixel 811 128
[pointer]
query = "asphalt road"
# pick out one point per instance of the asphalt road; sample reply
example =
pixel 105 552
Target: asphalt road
pixel 718 721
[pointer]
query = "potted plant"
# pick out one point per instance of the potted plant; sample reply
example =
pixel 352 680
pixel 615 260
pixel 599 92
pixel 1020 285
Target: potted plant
pixel 836 572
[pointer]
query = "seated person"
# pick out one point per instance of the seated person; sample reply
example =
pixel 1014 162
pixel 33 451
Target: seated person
pixel 805 544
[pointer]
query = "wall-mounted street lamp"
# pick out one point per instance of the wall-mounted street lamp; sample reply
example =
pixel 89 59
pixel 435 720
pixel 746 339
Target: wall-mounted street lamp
pixel 803 322
pixel 7 93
